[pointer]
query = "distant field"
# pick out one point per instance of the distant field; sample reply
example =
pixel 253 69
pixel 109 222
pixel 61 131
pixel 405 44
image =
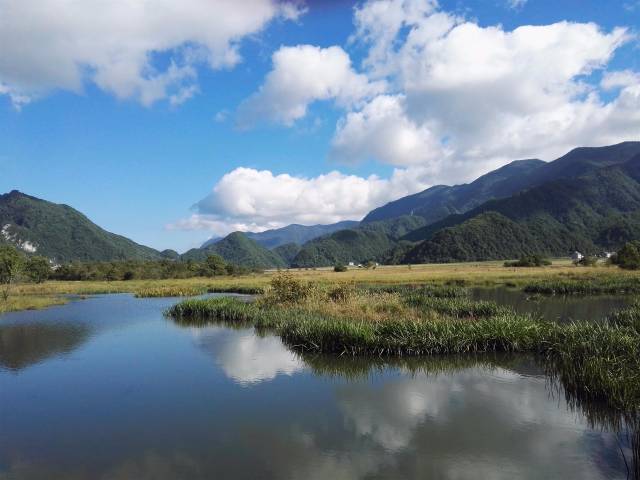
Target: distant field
pixel 26 296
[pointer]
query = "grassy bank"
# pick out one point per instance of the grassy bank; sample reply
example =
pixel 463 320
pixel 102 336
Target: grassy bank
pixel 561 277
pixel 587 285
pixel 602 360
pixel 30 302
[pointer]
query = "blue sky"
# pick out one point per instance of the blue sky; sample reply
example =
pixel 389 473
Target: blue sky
pixel 137 162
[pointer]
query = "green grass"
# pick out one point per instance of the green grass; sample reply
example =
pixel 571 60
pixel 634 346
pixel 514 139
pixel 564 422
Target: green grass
pixel 609 285
pixel 193 290
pixel 30 302
pixel 600 361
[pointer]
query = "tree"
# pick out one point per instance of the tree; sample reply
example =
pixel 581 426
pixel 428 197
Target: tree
pixel 628 257
pixel 37 269
pixel 216 265
pixel 588 261
pixel 340 268
pixel 10 266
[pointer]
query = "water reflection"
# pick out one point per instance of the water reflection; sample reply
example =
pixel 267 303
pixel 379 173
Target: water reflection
pixel 25 345
pixel 146 401
pixel 523 418
pixel 246 357
pixel 553 307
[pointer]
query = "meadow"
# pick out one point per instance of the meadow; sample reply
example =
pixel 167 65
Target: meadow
pixel 560 277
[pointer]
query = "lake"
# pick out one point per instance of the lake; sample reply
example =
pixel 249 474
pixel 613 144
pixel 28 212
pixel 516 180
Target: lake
pixel 554 307
pixel 108 388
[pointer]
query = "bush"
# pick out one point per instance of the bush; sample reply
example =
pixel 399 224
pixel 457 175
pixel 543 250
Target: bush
pixel 37 269
pixel 343 293
pixel 340 268
pixel 587 261
pixel 529 261
pixel 628 257
pixel 286 289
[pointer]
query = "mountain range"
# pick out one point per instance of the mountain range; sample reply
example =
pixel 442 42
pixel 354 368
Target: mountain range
pixel 587 200
pixel 294 233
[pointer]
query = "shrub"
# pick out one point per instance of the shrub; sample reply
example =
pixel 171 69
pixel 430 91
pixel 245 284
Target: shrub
pixel 287 289
pixel 342 293
pixel 529 261
pixel 628 257
pixel 588 261
pixel 340 268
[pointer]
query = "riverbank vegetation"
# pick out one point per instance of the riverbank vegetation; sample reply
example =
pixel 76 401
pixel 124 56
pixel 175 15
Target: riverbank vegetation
pixel 562 277
pixel 601 358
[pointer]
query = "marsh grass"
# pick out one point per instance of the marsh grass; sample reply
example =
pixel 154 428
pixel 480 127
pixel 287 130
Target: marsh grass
pixel 605 285
pixel 597 360
pixel 627 317
pixel 16 303
pixel 170 291
pixel 193 291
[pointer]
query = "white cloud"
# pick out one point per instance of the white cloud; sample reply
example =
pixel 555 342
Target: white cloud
pixel 61 44
pixel 516 4
pixel 438 95
pixel 301 75
pixel 620 79
pixel 381 130
pixel 476 97
pixel 249 199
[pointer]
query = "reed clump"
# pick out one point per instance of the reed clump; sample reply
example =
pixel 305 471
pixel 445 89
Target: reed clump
pixel 193 290
pixel 170 291
pixel 604 285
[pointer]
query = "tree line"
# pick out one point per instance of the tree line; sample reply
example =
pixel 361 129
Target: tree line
pixel 16 267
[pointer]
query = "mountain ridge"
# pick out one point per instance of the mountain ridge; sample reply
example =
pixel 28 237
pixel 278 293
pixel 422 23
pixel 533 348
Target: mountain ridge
pixel 436 203
pixel 595 211
pixel 62 233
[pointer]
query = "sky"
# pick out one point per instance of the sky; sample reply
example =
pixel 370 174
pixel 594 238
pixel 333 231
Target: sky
pixel 172 122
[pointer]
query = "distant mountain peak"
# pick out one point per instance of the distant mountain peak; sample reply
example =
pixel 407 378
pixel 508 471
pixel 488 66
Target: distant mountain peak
pixel 61 233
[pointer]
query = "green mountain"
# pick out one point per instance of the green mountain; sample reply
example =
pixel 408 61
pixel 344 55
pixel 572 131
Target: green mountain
pixel 287 252
pixel 438 202
pixel 238 249
pixel 61 233
pixel 595 211
pixel 294 233
pixel 369 241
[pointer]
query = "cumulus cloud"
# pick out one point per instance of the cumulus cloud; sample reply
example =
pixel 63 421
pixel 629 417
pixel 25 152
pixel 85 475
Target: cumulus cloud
pixel 486 94
pixel 620 79
pixel 249 199
pixel 382 130
pixel 301 75
pixel 59 44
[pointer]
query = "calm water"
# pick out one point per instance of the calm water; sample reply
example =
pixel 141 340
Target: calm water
pixel 554 307
pixel 106 388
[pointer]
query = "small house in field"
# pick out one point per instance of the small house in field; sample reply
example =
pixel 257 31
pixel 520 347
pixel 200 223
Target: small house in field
pixel 576 256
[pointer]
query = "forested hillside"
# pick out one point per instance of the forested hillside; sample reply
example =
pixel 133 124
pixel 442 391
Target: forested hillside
pixel 599 210
pixel 62 234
